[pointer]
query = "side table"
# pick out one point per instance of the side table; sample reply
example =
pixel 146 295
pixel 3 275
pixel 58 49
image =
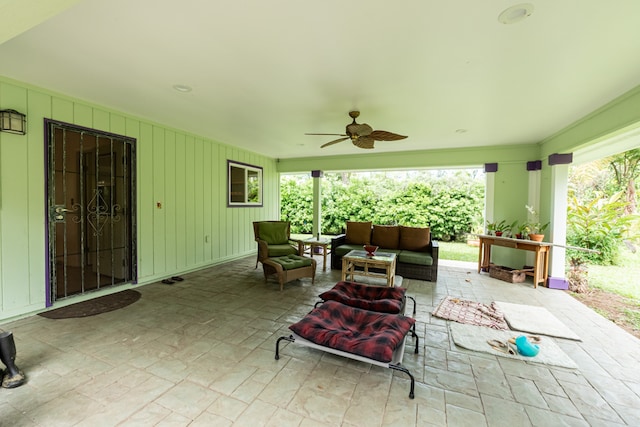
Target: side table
pixel 313 243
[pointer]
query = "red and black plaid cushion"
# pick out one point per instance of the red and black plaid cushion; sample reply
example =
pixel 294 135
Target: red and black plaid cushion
pixel 353 330
pixel 374 298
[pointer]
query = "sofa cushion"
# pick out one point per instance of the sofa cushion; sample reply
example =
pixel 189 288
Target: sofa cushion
pixel 414 238
pixel 342 250
pixel 416 258
pixel 386 236
pixel 358 233
pixel 274 233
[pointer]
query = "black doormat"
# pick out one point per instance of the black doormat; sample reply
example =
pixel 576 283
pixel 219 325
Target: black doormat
pixel 94 306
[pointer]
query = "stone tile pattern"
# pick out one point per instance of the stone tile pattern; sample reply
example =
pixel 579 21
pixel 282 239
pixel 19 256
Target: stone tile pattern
pixel 201 353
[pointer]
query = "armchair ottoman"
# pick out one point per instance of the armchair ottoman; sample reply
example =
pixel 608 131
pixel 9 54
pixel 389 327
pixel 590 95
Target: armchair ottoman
pixel 289 267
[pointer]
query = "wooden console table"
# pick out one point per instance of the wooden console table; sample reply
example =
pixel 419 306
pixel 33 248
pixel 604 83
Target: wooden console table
pixel 541 250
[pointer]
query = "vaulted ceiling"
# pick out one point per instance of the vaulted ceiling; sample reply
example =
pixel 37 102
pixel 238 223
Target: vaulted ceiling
pixel 261 73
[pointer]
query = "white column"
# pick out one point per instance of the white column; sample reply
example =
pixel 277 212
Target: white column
pixel 558 217
pixel 489 198
pixel 533 200
pixel 317 202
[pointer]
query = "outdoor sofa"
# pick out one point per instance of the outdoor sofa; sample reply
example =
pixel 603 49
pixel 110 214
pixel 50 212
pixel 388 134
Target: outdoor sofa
pixel 417 253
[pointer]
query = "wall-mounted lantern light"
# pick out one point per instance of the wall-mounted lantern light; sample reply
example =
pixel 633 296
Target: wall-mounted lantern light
pixel 13 122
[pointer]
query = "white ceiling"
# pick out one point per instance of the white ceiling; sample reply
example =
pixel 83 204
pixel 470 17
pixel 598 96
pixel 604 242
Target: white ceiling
pixel 265 72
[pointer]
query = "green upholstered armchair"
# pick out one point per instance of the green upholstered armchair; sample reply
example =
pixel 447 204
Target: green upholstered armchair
pixel 273 238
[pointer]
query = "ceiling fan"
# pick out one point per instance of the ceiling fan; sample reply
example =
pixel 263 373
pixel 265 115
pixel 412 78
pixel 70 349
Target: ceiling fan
pixel 361 135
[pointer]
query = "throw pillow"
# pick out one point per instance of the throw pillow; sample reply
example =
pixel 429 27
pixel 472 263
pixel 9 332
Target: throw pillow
pixel 274 233
pixel 386 236
pixel 358 233
pixel 414 238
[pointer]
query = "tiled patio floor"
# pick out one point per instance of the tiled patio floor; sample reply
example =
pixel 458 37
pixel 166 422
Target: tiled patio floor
pixel 201 353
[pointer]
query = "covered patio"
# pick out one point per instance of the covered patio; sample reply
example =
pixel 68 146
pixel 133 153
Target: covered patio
pixel 201 352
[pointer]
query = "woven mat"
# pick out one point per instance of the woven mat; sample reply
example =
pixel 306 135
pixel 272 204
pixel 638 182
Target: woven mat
pixel 471 312
pixel 94 306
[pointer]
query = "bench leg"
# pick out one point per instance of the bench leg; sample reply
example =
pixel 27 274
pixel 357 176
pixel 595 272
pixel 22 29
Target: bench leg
pixel 289 338
pixel 406 371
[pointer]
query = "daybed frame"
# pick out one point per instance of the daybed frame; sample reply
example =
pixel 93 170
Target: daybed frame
pixel 394 364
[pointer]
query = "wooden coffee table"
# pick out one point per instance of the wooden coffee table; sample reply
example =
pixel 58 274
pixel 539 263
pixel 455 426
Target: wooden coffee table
pixel 358 263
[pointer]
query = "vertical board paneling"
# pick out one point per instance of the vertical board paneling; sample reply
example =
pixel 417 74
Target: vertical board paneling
pixel 159 221
pixel 62 109
pixel 102 120
pixel 146 205
pixel 117 124
pixel 207 200
pixel 82 115
pixel 224 219
pixel 185 173
pixel 39 105
pixel 170 206
pixel 190 200
pixel 14 162
pixel 181 202
pixel 216 201
pixel 199 201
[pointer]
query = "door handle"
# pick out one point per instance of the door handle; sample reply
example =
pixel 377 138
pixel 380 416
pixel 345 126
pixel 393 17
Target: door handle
pixel 60 209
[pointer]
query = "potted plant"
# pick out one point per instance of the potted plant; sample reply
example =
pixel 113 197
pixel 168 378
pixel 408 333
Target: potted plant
pixel 491 227
pixel 521 230
pixel 501 227
pixel 535 229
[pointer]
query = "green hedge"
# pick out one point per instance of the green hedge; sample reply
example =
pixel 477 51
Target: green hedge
pixel 450 203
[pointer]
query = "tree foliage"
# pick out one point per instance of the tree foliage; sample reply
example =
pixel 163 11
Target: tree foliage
pixel 602 206
pixel 451 202
pixel 599 225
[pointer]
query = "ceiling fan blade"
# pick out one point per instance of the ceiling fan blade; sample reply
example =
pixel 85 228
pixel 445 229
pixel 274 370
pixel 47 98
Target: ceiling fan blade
pixel 364 142
pixel 334 134
pixel 335 141
pixel 383 135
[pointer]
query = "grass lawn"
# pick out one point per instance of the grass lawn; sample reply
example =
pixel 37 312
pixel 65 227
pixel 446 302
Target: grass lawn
pixel 622 279
pixel 458 251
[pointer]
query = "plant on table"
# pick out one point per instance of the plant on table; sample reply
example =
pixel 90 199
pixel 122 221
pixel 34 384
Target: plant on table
pixel 497 227
pixel 534 226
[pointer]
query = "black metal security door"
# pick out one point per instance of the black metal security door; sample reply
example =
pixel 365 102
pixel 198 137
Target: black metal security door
pixel 91 207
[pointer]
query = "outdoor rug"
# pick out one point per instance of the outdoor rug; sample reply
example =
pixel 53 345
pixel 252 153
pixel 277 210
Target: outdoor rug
pixel 470 312
pixel 475 338
pixel 94 306
pixel 535 320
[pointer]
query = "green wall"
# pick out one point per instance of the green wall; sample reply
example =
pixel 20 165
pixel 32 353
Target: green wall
pixel 185 172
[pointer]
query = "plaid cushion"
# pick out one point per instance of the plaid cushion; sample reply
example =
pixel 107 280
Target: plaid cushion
pixel 374 298
pixel 353 330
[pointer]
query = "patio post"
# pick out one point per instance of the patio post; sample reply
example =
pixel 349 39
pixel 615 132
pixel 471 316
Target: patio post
pixel 317 201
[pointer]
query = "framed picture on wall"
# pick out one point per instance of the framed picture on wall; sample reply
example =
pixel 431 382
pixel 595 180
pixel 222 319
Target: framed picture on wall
pixel 244 185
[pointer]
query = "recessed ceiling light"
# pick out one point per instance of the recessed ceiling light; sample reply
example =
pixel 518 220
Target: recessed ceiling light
pixel 516 13
pixel 182 88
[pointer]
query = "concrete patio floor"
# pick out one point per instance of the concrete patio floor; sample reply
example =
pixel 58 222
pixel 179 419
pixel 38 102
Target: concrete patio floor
pixel 201 353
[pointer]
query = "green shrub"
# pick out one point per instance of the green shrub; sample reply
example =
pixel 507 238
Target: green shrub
pixel 599 225
pixel 450 205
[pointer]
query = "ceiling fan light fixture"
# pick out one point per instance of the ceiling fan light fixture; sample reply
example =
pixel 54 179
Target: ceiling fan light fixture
pixel 515 14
